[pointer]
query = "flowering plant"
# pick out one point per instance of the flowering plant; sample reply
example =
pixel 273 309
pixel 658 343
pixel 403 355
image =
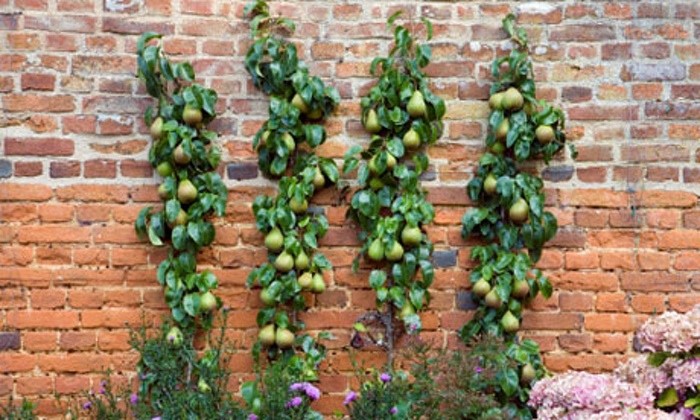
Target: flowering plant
pixel 662 385
pixel 382 395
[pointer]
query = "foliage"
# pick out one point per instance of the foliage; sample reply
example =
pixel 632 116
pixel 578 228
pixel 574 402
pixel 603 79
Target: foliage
pixel 404 117
pixel 107 404
pixel 178 380
pixel 299 103
pixel 511 213
pixel 184 153
pixel 280 392
pixel 24 411
pixel 480 382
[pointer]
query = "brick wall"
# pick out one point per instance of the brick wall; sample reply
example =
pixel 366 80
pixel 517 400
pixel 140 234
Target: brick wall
pixel 73 173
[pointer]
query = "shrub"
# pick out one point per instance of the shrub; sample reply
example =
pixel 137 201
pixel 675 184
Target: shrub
pixel 25 411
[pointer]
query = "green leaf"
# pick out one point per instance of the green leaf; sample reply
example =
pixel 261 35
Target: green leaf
pixel 377 279
pixel 172 209
pixel 657 359
pixel 668 398
pixel 191 304
pixel 153 237
pixel 179 238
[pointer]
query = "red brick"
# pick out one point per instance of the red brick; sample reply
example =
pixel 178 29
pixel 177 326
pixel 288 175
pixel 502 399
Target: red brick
pixel 38 103
pixel 27 146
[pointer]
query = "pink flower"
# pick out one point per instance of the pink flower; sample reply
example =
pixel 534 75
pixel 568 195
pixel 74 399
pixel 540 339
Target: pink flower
pixel 294 402
pixel 385 377
pixel 350 397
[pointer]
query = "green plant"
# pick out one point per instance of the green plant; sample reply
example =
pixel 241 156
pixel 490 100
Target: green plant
pixel 107 404
pixel 280 392
pixel 299 103
pixel 25 411
pixel 184 153
pixel 404 117
pixel 511 215
pixel 382 395
pixel 178 380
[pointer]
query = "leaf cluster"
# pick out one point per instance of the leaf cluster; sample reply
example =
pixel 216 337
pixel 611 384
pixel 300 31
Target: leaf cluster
pixel 186 155
pixel 404 117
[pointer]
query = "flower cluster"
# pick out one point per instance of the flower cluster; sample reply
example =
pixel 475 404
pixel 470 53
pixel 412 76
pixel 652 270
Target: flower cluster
pixel 669 378
pixel 306 389
pixel 670 332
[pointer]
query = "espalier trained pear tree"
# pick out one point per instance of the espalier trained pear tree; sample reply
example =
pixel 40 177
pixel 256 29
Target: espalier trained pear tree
pixel 285 145
pixel 404 117
pixel 510 215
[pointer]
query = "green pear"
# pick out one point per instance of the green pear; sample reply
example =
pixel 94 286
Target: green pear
pixel 481 288
pixel 274 240
pixel 267 335
pixel 186 192
pixel 298 206
pixel 266 297
pixel 180 157
pixel 174 337
pixel 407 310
pixel 395 253
pixel 496 101
pixel 284 338
pixel 289 142
pixel 164 169
pixel 376 250
pixel 207 302
pixel 411 236
pixel 512 99
pixel 390 161
pixel 300 104
pixel 498 148
pixel 411 140
pixel 493 300
pixel 284 262
pixel 510 323
pixel 527 374
pixel 519 211
pixel 416 105
pixel 319 180
pixel 521 289
pixel 372 122
pixel 191 115
pixel 301 262
pixel 157 128
pixel 544 134
pixel 306 281
pixel 163 192
pixel 317 284
pixel 490 184
pixel 502 130
pixel 180 219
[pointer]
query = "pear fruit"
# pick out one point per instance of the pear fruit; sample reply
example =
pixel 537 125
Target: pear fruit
pixel 390 161
pixel 284 262
pixel 411 140
pixel 157 128
pixel 407 310
pixel 203 386
pixel 498 148
pixel 180 219
pixel 490 184
pixel 174 337
pixel 298 206
pixel 316 114
pixel 530 108
pixel 263 138
pixel 411 236
pixel 521 289
pixel 376 184
pixel 164 169
pixel 376 250
pixel 395 253
pixel 284 338
pixel 319 180
pixel 416 105
pixel 493 300
pixel 301 262
pixel 191 115
pixel 512 99
pixel 527 374
pixel 481 288
pixel 502 130
pixel 289 142
pixel 163 192
pixel 274 240
pixel 372 122
pixel 267 335
pixel 306 281
pixel 317 284
pixel 510 323
pixel 372 165
pixel 496 101
pixel 266 297
pixel 544 134
pixel 180 157
pixel 207 302
pixel 186 192
pixel 518 212
pixel 299 104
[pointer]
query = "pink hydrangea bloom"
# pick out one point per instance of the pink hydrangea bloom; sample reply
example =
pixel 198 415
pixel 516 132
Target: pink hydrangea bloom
pixel 686 375
pixel 671 332
pixel 637 370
